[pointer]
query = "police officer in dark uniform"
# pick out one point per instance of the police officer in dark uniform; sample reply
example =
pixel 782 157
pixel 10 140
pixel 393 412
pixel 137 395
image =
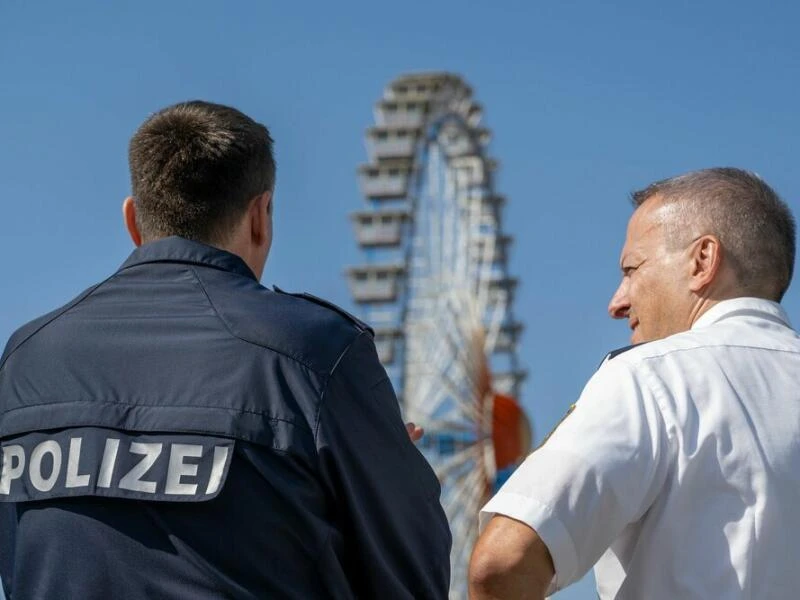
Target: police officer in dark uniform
pixel 179 431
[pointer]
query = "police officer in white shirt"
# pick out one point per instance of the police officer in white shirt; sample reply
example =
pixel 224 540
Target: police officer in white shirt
pixel 677 474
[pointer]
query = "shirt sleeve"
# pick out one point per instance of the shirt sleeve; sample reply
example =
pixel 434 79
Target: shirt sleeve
pixel 599 471
pixel 395 532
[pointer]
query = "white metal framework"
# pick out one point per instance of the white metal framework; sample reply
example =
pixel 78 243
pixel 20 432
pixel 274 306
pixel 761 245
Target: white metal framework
pixel 435 284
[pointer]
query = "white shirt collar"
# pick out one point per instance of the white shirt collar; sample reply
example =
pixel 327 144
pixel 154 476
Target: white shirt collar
pixel 743 306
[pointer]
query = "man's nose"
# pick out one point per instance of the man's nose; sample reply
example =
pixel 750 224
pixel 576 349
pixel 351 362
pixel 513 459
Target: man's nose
pixel 619 305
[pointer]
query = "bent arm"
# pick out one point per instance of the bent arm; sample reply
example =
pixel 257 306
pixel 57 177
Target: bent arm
pixel 396 536
pixel 566 504
pixel 510 560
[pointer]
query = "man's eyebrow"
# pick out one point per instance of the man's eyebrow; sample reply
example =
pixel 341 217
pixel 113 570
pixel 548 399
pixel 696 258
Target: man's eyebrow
pixel 632 262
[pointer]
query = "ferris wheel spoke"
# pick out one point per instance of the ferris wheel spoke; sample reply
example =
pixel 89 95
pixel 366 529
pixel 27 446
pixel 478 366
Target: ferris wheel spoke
pixel 465 366
pixel 470 453
pixel 476 493
pixel 459 476
pixel 466 406
pixel 471 484
pixel 458 342
pixel 467 331
pixel 434 389
pixel 471 225
pixel 456 485
pixel 465 528
pixel 450 425
pixel 458 243
pixel 443 387
pixel 467 536
pixel 435 355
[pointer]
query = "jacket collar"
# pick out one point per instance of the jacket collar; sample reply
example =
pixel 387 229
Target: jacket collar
pixel 759 307
pixel 180 250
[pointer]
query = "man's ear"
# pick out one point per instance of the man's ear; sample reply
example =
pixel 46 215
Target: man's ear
pixel 129 216
pixel 706 261
pixel 260 214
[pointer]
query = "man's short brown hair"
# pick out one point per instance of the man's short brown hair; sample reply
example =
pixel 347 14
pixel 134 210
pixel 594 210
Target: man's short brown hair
pixel 195 166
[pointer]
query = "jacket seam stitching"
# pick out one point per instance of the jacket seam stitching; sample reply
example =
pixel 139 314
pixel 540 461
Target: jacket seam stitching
pixel 156 406
pixel 238 337
pixel 323 395
pixel 64 310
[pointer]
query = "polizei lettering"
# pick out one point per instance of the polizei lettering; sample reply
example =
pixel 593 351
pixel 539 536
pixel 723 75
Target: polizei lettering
pixel 91 461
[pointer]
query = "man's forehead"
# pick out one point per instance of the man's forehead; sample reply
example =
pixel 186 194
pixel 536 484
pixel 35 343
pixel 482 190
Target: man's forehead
pixel 646 226
pixel 655 210
pixel 651 217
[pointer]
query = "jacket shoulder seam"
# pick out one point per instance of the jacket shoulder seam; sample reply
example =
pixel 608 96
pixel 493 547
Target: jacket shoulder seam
pixel 323 395
pixel 228 328
pixel 58 313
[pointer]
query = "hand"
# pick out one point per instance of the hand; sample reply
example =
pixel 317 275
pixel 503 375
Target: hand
pixel 414 432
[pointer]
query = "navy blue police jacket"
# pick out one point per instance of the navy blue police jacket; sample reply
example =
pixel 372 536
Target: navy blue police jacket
pixel 180 431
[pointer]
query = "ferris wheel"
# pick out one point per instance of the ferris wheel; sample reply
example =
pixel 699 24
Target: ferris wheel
pixel 435 286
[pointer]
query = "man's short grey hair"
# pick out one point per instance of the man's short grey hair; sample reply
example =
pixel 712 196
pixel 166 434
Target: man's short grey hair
pixel 755 227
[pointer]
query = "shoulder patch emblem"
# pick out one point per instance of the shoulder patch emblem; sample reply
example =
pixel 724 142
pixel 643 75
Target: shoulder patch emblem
pixel 553 430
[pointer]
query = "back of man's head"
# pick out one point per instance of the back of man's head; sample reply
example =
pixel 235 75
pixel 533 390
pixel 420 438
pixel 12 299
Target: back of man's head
pixel 754 226
pixel 195 166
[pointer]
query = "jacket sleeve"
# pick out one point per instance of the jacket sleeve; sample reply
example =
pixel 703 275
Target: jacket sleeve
pixel 396 536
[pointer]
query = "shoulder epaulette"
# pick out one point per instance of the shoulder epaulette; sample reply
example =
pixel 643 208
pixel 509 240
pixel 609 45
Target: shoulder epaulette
pixel 616 352
pixel 330 305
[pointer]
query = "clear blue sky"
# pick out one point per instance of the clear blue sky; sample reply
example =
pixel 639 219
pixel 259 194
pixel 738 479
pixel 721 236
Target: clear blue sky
pixel 587 101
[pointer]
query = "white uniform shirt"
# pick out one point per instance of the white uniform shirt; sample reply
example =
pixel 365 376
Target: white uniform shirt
pixel 678 471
